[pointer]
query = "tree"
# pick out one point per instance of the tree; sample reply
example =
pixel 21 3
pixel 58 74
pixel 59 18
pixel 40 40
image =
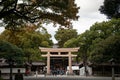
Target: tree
pixel 8 51
pixel 62 35
pixel 29 38
pixel 106 35
pixel 111 8
pixel 32 11
pixel 83 42
pixel 106 50
pixel 98 32
pixel 71 43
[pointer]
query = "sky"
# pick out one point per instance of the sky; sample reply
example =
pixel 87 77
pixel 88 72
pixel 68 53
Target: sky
pixel 89 14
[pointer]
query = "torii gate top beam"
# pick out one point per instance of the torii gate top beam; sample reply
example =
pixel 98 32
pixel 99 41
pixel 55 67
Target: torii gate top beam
pixel 59 49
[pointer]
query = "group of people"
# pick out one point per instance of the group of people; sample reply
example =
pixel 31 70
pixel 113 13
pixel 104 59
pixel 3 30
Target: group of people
pixel 58 71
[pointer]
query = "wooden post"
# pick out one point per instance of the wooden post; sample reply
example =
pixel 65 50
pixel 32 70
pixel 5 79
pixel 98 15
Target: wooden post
pixel 48 63
pixel 70 64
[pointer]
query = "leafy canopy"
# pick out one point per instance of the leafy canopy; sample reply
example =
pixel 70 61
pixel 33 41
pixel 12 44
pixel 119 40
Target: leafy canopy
pixel 17 12
pixel 111 8
pixel 106 50
pixel 62 35
pixel 8 51
pixel 102 39
pixel 29 39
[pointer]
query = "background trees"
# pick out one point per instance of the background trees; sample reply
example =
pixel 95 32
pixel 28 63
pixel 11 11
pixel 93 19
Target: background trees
pixel 71 43
pixel 100 34
pixel 29 39
pixel 10 51
pixel 98 42
pixel 106 50
pixel 62 35
pixel 104 35
pixel 111 8
pixel 32 11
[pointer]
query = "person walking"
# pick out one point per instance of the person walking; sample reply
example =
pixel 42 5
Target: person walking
pixel 19 76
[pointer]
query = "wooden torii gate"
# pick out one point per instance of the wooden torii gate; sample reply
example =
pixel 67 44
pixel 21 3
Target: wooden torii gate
pixel 59 51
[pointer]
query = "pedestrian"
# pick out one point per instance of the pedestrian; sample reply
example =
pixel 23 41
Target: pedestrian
pixel 0 73
pixel 19 76
pixel 45 71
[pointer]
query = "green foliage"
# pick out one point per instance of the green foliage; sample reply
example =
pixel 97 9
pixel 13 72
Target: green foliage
pixel 111 8
pixel 106 50
pixel 98 33
pixel 8 50
pixel 62 35
pixel 1 78
pixel 98 43
pixel 32 11
pixel 29 39
pixel 71 43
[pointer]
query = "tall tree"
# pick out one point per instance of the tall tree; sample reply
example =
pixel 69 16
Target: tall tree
pixel 98 44
pixel 111 8
pixel 10 51
pixel 17 12
pixel 98 32
pixel 71 43
pixel 62 35
pixel 29 39
pixel 106 50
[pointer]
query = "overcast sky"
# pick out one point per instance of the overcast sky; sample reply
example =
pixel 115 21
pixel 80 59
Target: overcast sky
pixel 88 13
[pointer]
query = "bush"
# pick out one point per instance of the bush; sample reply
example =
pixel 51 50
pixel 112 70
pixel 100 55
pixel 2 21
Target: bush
pixel 1 78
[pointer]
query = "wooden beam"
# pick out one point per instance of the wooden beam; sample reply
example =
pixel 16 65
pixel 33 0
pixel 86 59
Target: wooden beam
pixel 59 49
pixel 59 55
